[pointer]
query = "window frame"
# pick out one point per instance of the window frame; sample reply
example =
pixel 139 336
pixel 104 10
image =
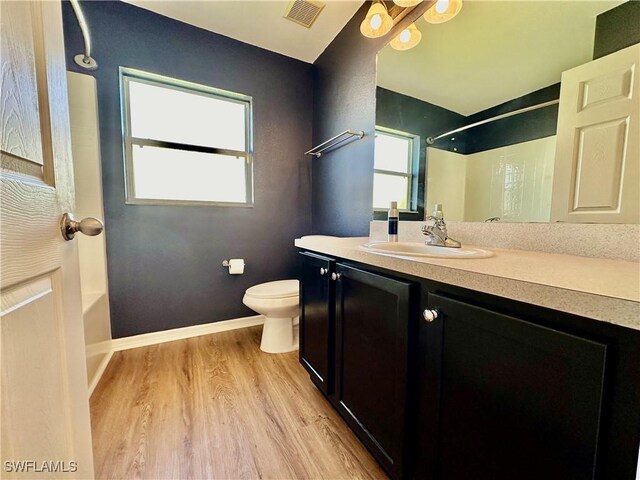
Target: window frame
pixel 128 141
pixel 413 165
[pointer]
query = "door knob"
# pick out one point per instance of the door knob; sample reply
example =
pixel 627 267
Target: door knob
pixel 89 226
pixel 336 276
pixel 323 270
pixel 430 315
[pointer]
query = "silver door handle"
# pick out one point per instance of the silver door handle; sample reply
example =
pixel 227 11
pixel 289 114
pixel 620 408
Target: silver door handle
pixel 89 226
pixel 323 270
pixel 336 276
pixel 430 315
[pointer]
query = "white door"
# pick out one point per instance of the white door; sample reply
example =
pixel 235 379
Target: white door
pixel 44 397
pixel 597 170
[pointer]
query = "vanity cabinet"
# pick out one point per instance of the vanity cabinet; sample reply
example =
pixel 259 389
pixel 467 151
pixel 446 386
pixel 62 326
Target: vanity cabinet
pixel 355 342
pixel 481 387
pixel 516 399
pixel 373 337
pixel 317 326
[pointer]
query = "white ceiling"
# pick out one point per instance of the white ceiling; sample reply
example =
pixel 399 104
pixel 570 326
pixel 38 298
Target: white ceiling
pixel 493 51
pixel 260 23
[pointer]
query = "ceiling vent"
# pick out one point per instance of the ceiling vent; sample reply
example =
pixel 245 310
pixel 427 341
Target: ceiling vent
pixel 303 12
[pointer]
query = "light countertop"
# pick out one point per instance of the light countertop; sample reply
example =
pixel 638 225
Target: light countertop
pixel 602 289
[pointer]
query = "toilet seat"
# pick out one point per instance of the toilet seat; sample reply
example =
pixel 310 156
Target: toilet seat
pixel 277 289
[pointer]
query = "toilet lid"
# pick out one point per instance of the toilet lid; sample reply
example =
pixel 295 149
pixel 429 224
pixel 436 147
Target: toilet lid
pixel 279 289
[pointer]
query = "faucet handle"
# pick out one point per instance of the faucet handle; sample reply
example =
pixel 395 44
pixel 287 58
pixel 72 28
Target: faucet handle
pixel 437 222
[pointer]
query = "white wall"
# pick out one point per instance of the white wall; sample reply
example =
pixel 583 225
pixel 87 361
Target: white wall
pixel 83 112
pixel 512 182
pixel 446 177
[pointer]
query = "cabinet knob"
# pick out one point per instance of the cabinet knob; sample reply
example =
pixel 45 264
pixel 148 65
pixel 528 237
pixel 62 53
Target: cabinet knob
pixel 336 276
pixel 323 271
pixel 430 315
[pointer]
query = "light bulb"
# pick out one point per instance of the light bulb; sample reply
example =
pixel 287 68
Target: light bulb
pixel 405 36
pixel 442 6
pixel 376 21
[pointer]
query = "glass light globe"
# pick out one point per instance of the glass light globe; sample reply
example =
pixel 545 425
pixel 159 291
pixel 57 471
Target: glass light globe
pixel 378 22
pixel 407 3
pixel 407 39
pixel 443 11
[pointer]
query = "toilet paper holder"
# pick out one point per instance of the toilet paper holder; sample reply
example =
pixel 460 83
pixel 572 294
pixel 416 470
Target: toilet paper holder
pixel 235 265
pixel 225 263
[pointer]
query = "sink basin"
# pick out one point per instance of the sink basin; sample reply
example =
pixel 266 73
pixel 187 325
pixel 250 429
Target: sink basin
pixel 416 249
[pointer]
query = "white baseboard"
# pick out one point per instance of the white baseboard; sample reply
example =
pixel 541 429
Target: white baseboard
pixel 153 338
pixel 99 371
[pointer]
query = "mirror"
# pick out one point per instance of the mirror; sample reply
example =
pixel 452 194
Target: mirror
pixel 494 57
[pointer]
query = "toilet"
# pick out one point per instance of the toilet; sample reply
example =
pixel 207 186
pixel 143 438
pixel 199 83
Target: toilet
pixel 278 302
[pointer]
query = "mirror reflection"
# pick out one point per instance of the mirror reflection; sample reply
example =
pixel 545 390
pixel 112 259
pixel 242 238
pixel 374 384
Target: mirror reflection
pixel 468 118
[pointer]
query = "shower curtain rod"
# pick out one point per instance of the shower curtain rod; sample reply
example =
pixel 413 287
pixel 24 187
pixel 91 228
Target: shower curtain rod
pixel 83 59
pixel 431 140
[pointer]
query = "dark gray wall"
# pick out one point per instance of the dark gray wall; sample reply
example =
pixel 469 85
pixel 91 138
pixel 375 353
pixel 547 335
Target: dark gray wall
pixel 164 262
pixel 523 127
pixel 617 28
pixel 345 97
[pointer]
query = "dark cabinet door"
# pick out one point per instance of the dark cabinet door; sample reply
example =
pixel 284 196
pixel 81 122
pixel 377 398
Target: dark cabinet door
pixel 317 319
pixel 372 337
pixel 516 400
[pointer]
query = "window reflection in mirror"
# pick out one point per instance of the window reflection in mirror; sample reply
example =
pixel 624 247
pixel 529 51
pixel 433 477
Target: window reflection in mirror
pixel 395 165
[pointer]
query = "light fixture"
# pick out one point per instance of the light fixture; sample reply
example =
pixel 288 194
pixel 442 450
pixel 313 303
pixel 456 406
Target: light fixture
pixel 407 3
pixel 443 10
pixel 408 38
pixel 377 23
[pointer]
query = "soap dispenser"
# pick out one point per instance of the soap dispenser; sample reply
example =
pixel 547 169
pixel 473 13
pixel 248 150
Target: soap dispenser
pixel 393 222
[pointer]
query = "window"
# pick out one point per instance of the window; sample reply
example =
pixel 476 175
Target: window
pixel 185 143
pixel 395 169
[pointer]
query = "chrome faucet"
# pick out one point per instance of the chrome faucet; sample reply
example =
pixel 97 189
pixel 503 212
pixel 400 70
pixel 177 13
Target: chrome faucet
pixel 437 234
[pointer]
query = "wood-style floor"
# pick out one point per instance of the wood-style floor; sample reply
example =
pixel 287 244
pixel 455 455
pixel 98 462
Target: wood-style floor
pixel 217 407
